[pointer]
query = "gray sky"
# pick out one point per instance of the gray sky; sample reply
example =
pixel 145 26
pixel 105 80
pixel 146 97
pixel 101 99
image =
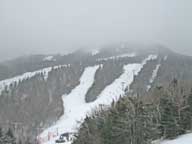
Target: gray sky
pixel 52 26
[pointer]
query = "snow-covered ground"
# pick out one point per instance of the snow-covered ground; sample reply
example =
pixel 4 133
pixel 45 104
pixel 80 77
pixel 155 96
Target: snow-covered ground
pixel 165 58
pixel 117 57
pixel 94 52
pixel 118 87
pixel 49 58
pixel 75 107
pixel 45 72
pixel 184 139
pixel 154 75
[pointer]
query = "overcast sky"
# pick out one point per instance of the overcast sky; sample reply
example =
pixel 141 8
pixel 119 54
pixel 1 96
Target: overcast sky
pixel 53 26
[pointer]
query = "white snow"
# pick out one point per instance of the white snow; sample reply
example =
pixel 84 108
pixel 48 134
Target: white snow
pixel 154 75
pixel 185 139
pixel 49 58
pixel 150 57
pixel 117 57
pixel 118 87
pixel 75 107
pixel 45 72
pixel 94 52
pixel 165 58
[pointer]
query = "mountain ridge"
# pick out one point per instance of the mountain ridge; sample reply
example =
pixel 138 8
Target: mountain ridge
pixel 62 80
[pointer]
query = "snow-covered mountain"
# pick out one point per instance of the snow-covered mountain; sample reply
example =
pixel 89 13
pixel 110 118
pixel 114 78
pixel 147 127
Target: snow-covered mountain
pixel 76 108
pixel 184 139
pixel 51 95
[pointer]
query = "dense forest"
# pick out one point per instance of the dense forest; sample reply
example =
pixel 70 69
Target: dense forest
pixel 163 113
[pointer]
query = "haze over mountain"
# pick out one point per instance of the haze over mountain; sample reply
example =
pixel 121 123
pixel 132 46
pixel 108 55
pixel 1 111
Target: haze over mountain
pixel 95 72
pixel 46 26
pixel 42 94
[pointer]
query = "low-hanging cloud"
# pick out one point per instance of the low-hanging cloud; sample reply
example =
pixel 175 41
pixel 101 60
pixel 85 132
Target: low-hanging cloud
pixel 53 26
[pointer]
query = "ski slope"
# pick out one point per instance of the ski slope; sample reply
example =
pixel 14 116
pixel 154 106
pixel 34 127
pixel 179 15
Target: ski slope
pixel 154 75
pixel 117 89
pixel 75 107
pixel 49 58
pixel 24 76
pixel 165 58
pixel 94 52
pixel 184 139
pixel 117 57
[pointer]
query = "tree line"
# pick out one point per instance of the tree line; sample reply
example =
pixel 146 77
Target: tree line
pixel 163 113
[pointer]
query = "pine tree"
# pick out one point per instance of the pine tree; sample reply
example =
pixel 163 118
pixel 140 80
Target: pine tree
pixel 1 136
pixel 187 113
pixel 169 123
pixel 1 133
pixel 9 133
pixel 189 100
pixel 9 138
pixel 20 142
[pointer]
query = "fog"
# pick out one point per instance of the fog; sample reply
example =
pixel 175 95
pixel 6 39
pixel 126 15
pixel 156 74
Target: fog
pixel 59 26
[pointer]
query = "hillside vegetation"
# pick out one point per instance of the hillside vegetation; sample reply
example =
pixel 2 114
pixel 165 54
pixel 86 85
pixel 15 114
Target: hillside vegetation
pixel 163 113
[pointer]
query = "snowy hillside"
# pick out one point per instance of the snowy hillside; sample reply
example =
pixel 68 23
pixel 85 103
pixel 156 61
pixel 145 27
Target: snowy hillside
pixel 184 139
pixel 56 100
pixel 117 57
pixel 6 83
pixel 94 52
pixel 154 75
pixel 49 58
pixel 75 107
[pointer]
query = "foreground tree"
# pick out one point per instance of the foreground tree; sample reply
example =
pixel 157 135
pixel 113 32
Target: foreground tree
pixel 7 138
pixel 127 121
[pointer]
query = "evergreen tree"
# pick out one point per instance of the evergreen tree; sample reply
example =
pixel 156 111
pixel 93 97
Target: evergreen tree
pixel 133 120
pixel 9 138
pixel 1 136
pixel 1 133
pixel 169 122
pixel 186 113
pixel 9 133
pixel 20 142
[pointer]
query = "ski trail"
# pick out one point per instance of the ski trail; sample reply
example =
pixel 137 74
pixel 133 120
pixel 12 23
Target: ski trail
pixel 45 71
pixel 75 107
pixel 154 75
